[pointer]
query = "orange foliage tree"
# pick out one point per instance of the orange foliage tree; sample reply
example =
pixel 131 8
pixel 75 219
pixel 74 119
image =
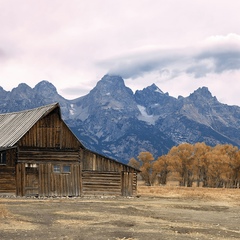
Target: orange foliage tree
pixel 147 172
pixel 200 163
pixel 134 163
pixel 161 168
pixel 181 161
pixel 145 165
pixel 217 166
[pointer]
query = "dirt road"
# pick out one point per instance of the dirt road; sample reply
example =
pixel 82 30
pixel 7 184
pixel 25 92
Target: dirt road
pixel 145 217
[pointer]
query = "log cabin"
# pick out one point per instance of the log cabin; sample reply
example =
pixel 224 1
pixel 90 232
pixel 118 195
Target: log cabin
pixel 40 156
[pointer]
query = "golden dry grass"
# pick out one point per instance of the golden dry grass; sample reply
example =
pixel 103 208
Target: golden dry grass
pixel 216 194
pixel 13 222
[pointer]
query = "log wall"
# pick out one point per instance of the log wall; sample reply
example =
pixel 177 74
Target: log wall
pixel 129 184
pixel 43 155
pixel 106 176
pixel 97 162
pixel 101 183
pixel 7 173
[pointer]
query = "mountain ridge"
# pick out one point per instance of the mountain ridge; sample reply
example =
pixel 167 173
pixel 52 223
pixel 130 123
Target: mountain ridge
pixel 116 122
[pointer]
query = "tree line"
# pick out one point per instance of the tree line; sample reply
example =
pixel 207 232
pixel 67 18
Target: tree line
pixel 203 165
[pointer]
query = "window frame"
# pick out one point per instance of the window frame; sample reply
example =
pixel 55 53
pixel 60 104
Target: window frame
pixel 57 168
pixel 3 158
pixel 66 169
pixel 61 169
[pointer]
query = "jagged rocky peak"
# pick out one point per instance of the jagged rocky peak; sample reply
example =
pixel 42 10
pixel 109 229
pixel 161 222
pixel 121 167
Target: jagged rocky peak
pixel 46 89
pixel 111 83
pixel 45 86
pixel 3 93
pixel 150 95
pixel 201 92
pixel 21 91
pixel 23 87
pixel 112 87
pixel 110 94
pixel 115 79
pixel 155 88
pixel 150 90
pixel 2 90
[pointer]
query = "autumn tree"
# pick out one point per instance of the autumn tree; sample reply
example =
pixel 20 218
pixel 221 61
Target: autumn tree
pixel 146 168
pixel 161 168
pixel 233 154
pixel 144 163
pixel 134 163
pixel 217 166
pixel 231 165
pixel 200 165
pixel 181 161
pixel 235 165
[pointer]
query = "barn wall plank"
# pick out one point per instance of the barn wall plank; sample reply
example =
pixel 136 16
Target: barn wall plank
pixel 59 184
pixel 50 132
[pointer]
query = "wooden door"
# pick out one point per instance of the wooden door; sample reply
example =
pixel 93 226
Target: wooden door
pixel 31 180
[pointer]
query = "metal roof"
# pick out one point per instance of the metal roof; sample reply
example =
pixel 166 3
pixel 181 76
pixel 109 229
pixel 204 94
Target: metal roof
pixel 13 126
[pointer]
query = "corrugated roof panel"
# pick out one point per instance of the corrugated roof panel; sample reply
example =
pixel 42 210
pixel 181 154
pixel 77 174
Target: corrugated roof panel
pixel 14 125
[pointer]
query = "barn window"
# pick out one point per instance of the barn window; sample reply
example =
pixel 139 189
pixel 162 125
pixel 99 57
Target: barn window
pixel 66 169
pixel 61 169
pixel 56 169
pixel 3 158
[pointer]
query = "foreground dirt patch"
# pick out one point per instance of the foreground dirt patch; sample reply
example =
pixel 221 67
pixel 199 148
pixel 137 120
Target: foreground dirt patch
pixel 159 213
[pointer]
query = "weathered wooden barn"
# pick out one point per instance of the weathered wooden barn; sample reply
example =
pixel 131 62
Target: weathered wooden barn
pixel 40 156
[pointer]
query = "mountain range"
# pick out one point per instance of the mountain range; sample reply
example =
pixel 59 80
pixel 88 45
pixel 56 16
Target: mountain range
pixel 115 122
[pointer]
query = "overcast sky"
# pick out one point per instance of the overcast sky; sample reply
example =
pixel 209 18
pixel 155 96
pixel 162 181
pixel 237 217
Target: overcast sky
pixel 178 45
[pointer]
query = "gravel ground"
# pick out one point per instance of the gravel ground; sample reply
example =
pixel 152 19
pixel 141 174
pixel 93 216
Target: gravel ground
pixel 101 218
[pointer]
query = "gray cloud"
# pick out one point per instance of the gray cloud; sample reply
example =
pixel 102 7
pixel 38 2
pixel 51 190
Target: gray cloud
pixel 199 70
pixel 223 60
pixel 140 62
pixel 213 58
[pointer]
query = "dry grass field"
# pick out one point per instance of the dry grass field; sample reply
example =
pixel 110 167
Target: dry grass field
pixel 168 212
pixel 214 194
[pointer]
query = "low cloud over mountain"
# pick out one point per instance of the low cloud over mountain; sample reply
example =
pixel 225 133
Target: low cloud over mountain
pixel 216 55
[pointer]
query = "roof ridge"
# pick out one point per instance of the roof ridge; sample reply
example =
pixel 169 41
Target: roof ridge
pixel 14 125
pixel 32 109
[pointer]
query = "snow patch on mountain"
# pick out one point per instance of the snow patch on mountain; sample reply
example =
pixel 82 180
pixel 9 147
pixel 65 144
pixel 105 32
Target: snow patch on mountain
pixel 149 119
pixel 159 91
pixel 113 104
pixel 72 110
pixel 78 112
